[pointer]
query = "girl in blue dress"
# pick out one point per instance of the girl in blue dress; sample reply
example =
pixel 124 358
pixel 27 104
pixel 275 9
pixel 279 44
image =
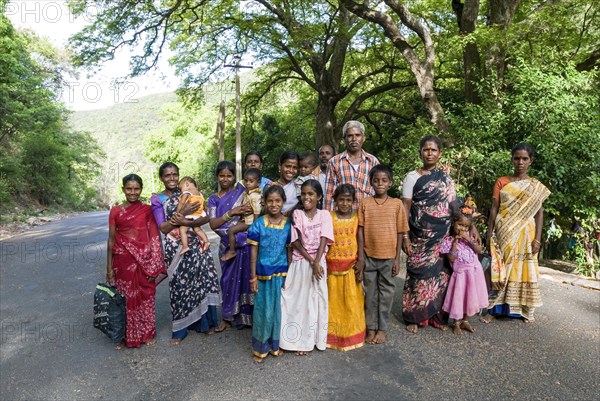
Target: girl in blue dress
pixel 269 237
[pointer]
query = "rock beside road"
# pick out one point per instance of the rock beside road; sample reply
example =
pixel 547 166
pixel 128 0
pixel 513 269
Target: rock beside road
pixel 9 230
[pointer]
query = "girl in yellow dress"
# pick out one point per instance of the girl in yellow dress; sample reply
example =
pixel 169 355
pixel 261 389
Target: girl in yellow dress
pixel 347 326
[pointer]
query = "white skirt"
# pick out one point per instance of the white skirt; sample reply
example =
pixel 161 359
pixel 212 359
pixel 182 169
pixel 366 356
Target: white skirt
pixel 304 311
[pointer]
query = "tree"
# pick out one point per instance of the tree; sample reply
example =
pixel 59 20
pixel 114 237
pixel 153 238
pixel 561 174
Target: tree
pixel 300 40
pixel 42 160
pixel 421 66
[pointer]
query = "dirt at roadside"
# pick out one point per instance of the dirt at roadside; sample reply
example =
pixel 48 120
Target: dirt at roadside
pixel 11 229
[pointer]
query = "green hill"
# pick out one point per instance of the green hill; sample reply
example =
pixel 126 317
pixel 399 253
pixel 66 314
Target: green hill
pixel 120 132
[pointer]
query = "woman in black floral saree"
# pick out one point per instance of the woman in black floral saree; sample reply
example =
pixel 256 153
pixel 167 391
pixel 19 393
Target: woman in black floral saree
pixel 429 195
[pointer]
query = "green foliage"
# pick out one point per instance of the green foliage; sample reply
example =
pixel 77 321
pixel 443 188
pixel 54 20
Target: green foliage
pixel 42 161
pixel 119 131
pixel 546 92
pixel 187 139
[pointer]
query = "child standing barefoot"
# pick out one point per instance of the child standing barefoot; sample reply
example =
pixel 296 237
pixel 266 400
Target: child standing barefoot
pixel 382 226
pixel 304 296
pixel 269 259
pixel 467 291
pixel 191 194
pixel 346 328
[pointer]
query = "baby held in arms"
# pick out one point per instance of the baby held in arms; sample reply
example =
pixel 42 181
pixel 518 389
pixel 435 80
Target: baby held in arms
pixel 252 197
pixel 191 194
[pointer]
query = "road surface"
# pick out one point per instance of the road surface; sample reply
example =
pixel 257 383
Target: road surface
pixel 50 351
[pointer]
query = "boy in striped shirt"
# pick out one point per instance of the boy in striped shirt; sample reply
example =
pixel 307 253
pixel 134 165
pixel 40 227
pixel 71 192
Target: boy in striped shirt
pixel 382 228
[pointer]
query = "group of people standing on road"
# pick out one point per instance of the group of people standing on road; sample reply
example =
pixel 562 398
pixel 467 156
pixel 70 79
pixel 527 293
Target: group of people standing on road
pixel 316 267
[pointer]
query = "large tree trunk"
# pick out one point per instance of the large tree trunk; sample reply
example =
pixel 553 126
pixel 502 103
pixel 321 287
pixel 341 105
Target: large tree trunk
pixel 466 16
pixel 501 13
pixel 326 123
pixel 423 69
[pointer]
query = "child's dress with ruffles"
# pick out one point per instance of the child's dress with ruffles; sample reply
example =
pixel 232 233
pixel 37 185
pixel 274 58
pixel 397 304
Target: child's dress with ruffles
pixel 467 291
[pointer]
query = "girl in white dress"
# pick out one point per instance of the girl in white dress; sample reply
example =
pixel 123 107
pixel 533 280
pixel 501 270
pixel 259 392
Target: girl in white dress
pixel 304 312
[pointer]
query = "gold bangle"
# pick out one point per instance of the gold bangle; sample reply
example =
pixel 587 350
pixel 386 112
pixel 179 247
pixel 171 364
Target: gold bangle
pixel 254 279
pixel 535 240
pixel 226 216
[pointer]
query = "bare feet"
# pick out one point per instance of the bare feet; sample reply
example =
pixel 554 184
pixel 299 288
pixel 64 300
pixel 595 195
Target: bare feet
pixel 379 337
pixel 528 321
pixel 120 345
pixel 258 359
pixel 456 328
pixel 301 353
pixel 487 319
pixel 210 331
pixel 184 250
pixel 224 326
pixel 443 327
pixel 412 328
pixel 150 342
pixel 465 325
pixel 370 336
pixel 229 255
pixel 175 341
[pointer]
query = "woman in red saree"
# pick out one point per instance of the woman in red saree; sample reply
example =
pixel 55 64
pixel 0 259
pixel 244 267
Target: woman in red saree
pixel 135 262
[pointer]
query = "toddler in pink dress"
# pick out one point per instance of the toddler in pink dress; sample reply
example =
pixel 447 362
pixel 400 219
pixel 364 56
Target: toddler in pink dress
pixel 467 291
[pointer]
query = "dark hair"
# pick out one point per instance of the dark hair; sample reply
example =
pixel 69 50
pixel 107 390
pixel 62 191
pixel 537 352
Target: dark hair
pixel 274 188
pixel 133 177
pixel 344 189
pixel 308 155
pixel 288 155
pixel 188 179
pixel 314 184
pixel 430 138
pixel 324 145
pixel 522 146
pixel 225 165
pixel 166 165
pixel 253 153
pixel 253 172
pixel 456 216
pixel 381 168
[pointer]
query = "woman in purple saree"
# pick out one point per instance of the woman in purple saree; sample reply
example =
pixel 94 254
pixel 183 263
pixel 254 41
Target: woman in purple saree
pixel 225 210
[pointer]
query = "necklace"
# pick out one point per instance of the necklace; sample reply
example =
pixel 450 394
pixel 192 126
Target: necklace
pixel 313 214
pixel 271 221
pixel 380 204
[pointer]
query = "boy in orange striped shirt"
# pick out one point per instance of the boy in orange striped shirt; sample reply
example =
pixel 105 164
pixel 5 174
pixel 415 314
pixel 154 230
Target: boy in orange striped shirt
pixel 382 227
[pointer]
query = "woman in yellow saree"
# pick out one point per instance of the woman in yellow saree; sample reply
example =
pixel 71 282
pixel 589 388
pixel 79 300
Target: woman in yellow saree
pixel 514 237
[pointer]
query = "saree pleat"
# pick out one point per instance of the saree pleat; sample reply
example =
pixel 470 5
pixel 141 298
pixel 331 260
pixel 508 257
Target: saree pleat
pixel 515 268
pixel 193 281
pixel 137 254
pixel 238 300
pixel 427 272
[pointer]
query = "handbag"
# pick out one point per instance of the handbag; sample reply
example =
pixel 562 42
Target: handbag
pixel 109 312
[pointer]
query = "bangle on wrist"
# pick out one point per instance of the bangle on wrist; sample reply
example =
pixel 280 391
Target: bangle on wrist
pixel 226 216
pixel 254 279
pixel 537 241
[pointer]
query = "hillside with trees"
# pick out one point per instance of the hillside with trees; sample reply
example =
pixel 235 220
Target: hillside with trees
pixel 482 74
pixel 44 162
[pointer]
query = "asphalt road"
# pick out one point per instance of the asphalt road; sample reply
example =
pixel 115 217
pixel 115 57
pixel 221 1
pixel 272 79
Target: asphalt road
pixel 49 349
